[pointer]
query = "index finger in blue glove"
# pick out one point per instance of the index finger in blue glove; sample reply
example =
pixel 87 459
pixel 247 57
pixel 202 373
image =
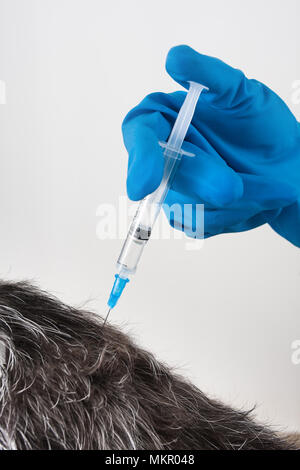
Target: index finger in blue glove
pixel 142 134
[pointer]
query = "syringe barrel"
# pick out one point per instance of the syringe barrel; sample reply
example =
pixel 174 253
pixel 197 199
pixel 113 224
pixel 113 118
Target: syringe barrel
pixel 146 215
pixel 130 256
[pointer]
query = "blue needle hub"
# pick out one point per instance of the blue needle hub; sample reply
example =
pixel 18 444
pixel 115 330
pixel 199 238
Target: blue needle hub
pixel 117 290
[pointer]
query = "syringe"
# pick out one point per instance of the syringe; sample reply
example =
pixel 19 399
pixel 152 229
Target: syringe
pixel 149 208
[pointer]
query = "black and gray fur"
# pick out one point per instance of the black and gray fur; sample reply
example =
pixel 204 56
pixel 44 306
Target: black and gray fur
pixel 68 382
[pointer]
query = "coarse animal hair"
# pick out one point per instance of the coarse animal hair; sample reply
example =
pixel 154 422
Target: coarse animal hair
pixel 70 382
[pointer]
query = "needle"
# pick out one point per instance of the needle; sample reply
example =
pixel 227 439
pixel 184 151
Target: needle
pixel 107 316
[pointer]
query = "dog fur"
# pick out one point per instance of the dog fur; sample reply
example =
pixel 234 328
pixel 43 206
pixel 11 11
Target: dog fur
pixel 70 382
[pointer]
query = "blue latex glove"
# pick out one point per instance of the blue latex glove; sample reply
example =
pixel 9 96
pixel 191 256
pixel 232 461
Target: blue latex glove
pixel 247 146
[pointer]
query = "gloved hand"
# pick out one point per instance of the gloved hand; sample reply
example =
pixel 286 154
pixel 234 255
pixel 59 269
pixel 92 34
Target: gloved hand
pixel 247 146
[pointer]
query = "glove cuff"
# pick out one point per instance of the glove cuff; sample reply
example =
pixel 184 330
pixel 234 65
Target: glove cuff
pixel 287 223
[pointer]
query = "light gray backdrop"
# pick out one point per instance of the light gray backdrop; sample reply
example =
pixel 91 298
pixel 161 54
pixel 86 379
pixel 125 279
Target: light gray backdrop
pixel 227 314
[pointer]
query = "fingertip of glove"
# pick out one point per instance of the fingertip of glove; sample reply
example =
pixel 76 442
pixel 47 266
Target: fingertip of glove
pixel 179 52
pixel 134 193
pixel 179 60
pixel 143 177
pixel 139 191
pixel 229 190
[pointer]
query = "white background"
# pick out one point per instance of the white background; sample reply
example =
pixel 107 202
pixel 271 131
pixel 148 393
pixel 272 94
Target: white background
pixel 226 315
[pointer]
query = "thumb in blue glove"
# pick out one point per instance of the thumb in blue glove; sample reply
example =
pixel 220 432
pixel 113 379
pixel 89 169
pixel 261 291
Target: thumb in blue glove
pixel 247 146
